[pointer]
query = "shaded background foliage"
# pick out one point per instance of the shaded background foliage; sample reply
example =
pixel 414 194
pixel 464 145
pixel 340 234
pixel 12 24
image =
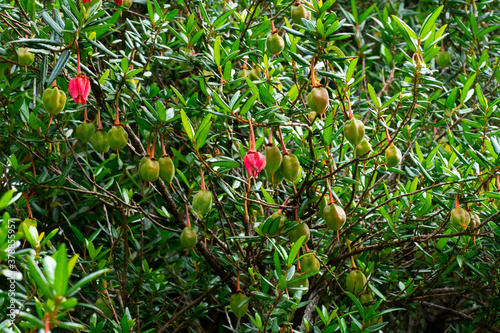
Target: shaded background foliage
pixel 171 70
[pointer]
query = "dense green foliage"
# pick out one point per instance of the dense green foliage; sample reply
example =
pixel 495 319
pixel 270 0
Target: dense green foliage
pixel 378 117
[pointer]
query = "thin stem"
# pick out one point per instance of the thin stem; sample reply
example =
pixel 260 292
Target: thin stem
pixel 349 106
pixel 30 213
pixel 202 179
pixel 85 117
pixel 188 221
pixel 117 117
pixel 153 146
pixel 270 136
pixel 457 203
pixel 282 142
pixel 298 261
pixel 164 152
pixel 330 190
pixel 99 124
pixel 314 80
pixel 273 28
pixel 78 59
pixel 251 144
pixel 238 288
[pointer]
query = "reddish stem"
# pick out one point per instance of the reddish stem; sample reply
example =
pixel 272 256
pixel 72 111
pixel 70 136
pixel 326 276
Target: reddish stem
pixel 284 203
pixel 238 288
pixel 47 323
pixel 54 84
pixel 298 261
pixel 282 142
pixel 85 117
pixel 148 147
pixel 202 179
pixel 388 136
pixel 99 125
pixel 188 221
pixel 30 213
pixel 498 183
pixel 315 82
pixel 78 59
pixel 273 28
pixel 117 117
pixel 349 107
pixel 330 190
pixel 251 144
pixel 153 146
pixel 457 203
pixel 307 248
pixel 163 146
pixel 271 136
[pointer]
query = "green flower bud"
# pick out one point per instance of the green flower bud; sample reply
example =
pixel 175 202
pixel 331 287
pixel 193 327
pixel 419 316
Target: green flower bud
pixel 202 202
pixel 149 169
pixel 25 57
pixel 356 282
pixel 392 156
pixel 273 159
pixel 290 167
pixel 363 148
pixel 459 219
pixel 235 302
pixel 188 237
pixel 354 131
pixel 167 169
pixel 117 137
pixel 443 59
pixel 301 230
pixel 334 216
pixel 318 99
pixel 309 264
pixel 53 100
pixel 99 141
pixel 300 12
pixel 274 43
pixel 85 130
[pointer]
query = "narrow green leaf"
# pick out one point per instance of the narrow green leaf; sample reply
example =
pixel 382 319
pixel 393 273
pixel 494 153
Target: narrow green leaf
pixel 373 95
pixel 160 110
pixel 203 130
pixel 61 276
pixel 268 198
pixel 60 65
pixel 467 87
pixel 187 125
pixel 217 51
pixel 4 201
pixel 429 23
pixel 150 11
pixel 480 97
pixel 292 257
pixel 86 280
pixel 39 278
pixel 328 130
pixel 32 10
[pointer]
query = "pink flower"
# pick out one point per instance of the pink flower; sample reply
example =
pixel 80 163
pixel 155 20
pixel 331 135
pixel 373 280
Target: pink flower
pixel 119 2
pixel 255 162
pixel 79 89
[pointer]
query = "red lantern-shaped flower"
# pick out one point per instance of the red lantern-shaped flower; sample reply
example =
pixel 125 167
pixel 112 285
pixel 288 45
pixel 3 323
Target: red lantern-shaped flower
pixel 119 2
pixel 79 89
pixel 254 161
